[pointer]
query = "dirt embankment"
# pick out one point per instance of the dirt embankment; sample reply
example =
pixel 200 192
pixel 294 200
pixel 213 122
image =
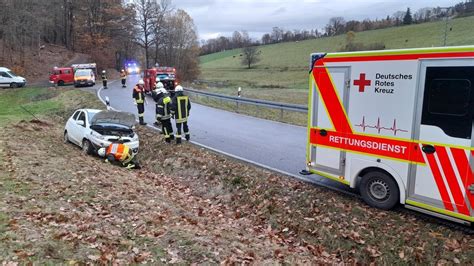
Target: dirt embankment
pixel 189 205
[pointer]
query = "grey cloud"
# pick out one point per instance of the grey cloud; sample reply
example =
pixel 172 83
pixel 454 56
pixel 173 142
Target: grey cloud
pixel 222 17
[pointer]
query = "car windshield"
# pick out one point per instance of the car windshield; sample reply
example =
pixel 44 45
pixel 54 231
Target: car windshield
pixel 11 74
pixel 165 76
pixel 91 114
pixel 83 72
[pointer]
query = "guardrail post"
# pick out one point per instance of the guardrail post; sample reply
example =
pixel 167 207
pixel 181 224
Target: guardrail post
pixel 237 104
pixel 281 114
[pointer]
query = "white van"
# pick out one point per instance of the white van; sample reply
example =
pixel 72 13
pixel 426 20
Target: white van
pixel 8 79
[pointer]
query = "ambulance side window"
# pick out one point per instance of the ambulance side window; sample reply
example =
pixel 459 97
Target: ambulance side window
pixel 448 100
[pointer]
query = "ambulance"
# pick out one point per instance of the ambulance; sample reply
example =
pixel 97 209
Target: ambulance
pixel 397 125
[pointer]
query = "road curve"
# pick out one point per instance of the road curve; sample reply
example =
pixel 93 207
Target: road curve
pixel 273 145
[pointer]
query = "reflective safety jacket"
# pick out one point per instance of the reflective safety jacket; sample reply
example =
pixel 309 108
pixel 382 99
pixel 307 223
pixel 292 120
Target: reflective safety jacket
pixel 120 152
pixel 104 77
pixel 138 94
pixel 163 106
pixel 180 107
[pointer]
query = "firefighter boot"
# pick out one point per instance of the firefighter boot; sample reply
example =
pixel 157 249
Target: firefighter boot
pixel 187 136
pixel 142 122
pixel 172 137
pixel 168 140
pixel 178 140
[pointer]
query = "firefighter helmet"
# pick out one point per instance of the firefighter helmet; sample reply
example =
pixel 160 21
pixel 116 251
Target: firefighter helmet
pixel 103 71
pixel 141 82
pixel 157 79
pixel 101 152
pixel 179 88
pixel 159 85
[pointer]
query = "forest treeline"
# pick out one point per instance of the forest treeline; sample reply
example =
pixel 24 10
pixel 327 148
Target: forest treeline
pixel 337 26
pixel 110 31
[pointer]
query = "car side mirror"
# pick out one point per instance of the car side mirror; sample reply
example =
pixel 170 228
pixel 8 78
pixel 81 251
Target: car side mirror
pixel 80 122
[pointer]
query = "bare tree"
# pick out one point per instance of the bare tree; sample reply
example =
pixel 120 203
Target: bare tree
pixel 251 56
pixel 146 19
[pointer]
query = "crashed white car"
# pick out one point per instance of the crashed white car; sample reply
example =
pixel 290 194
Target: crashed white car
pixel 92 129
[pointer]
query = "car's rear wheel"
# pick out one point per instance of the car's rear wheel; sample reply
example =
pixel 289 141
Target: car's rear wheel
pixel 86 147
pixel 66 138
pixel 379 190
pixel 61 83
pixel 13 85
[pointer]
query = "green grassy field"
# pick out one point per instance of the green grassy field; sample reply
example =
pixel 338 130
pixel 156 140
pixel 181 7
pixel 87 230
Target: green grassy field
pixel 281 75
pixel 17 104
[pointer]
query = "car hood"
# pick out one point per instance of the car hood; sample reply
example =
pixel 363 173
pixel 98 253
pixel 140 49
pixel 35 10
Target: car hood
pixel 114 117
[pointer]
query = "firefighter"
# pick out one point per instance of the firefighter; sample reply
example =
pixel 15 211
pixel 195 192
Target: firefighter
pixel 104 79
pixel 163 112
pixel 158 83
pixel 119 154
pixel 139 100
pixel 180 107
pixel 123 77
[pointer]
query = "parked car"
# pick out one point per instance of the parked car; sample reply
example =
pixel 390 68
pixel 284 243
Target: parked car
pixel 9 79
pixel 84 77
pixel 92 129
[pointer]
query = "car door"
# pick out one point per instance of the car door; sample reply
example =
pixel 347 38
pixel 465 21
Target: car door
pixel 77 132
pixel 445 122
pixel 5 79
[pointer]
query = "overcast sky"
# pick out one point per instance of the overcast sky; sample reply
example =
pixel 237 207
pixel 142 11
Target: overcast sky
pixel 214 18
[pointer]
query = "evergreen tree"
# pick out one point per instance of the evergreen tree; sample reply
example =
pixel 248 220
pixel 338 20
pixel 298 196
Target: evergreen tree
pixel 407 19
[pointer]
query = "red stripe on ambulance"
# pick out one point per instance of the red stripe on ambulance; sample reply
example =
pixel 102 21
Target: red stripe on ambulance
pixel 452 180
pixel 396 149
pixel 464 169
pixel 397 57
pixel 439 182
pixel 330 98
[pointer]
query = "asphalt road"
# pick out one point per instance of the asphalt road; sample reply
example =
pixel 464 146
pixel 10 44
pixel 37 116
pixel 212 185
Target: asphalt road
pixel 273 145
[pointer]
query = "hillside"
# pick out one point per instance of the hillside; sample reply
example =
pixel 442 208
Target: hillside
pixel 282 72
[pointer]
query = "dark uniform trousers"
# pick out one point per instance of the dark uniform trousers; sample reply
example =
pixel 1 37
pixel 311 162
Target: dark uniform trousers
pixel 104 81
pixel 181 107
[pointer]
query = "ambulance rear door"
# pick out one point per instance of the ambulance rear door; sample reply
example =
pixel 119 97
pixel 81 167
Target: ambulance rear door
pixel 325 159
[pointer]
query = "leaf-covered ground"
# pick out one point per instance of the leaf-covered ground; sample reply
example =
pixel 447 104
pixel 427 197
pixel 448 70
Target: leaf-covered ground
pixel 189 205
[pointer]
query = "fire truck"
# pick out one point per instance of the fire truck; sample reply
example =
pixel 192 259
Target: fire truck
pixel 65 75
pixel 397 125
pixel 167 76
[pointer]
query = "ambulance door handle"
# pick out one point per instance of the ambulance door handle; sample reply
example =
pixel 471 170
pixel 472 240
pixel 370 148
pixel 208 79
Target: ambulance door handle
pixel 428 149
pixel 323 132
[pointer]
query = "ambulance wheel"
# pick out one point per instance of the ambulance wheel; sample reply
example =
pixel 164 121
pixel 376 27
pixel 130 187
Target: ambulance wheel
pixel 379 190
pixel 86 147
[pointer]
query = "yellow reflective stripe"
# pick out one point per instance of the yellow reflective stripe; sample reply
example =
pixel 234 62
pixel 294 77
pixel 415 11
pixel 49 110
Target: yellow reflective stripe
pixel 335 178
pixel 439 210
pixel 310 113
pixel 141 115
pixel 114 148
pixel 126 149
pixel 166 100
pixel 180 115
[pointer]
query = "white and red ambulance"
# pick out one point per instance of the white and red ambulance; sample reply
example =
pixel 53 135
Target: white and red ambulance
pixel 397 125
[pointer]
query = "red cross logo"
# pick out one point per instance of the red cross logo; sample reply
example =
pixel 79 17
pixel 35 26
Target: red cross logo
pixel 362 82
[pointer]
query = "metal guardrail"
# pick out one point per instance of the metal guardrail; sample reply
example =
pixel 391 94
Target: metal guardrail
pixel 242 100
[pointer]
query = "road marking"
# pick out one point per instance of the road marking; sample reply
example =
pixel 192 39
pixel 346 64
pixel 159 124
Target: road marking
pixel 301 178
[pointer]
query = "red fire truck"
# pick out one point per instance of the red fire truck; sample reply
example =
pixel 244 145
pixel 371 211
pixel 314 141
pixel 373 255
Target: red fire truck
pixel 65 75
pixel 167 76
